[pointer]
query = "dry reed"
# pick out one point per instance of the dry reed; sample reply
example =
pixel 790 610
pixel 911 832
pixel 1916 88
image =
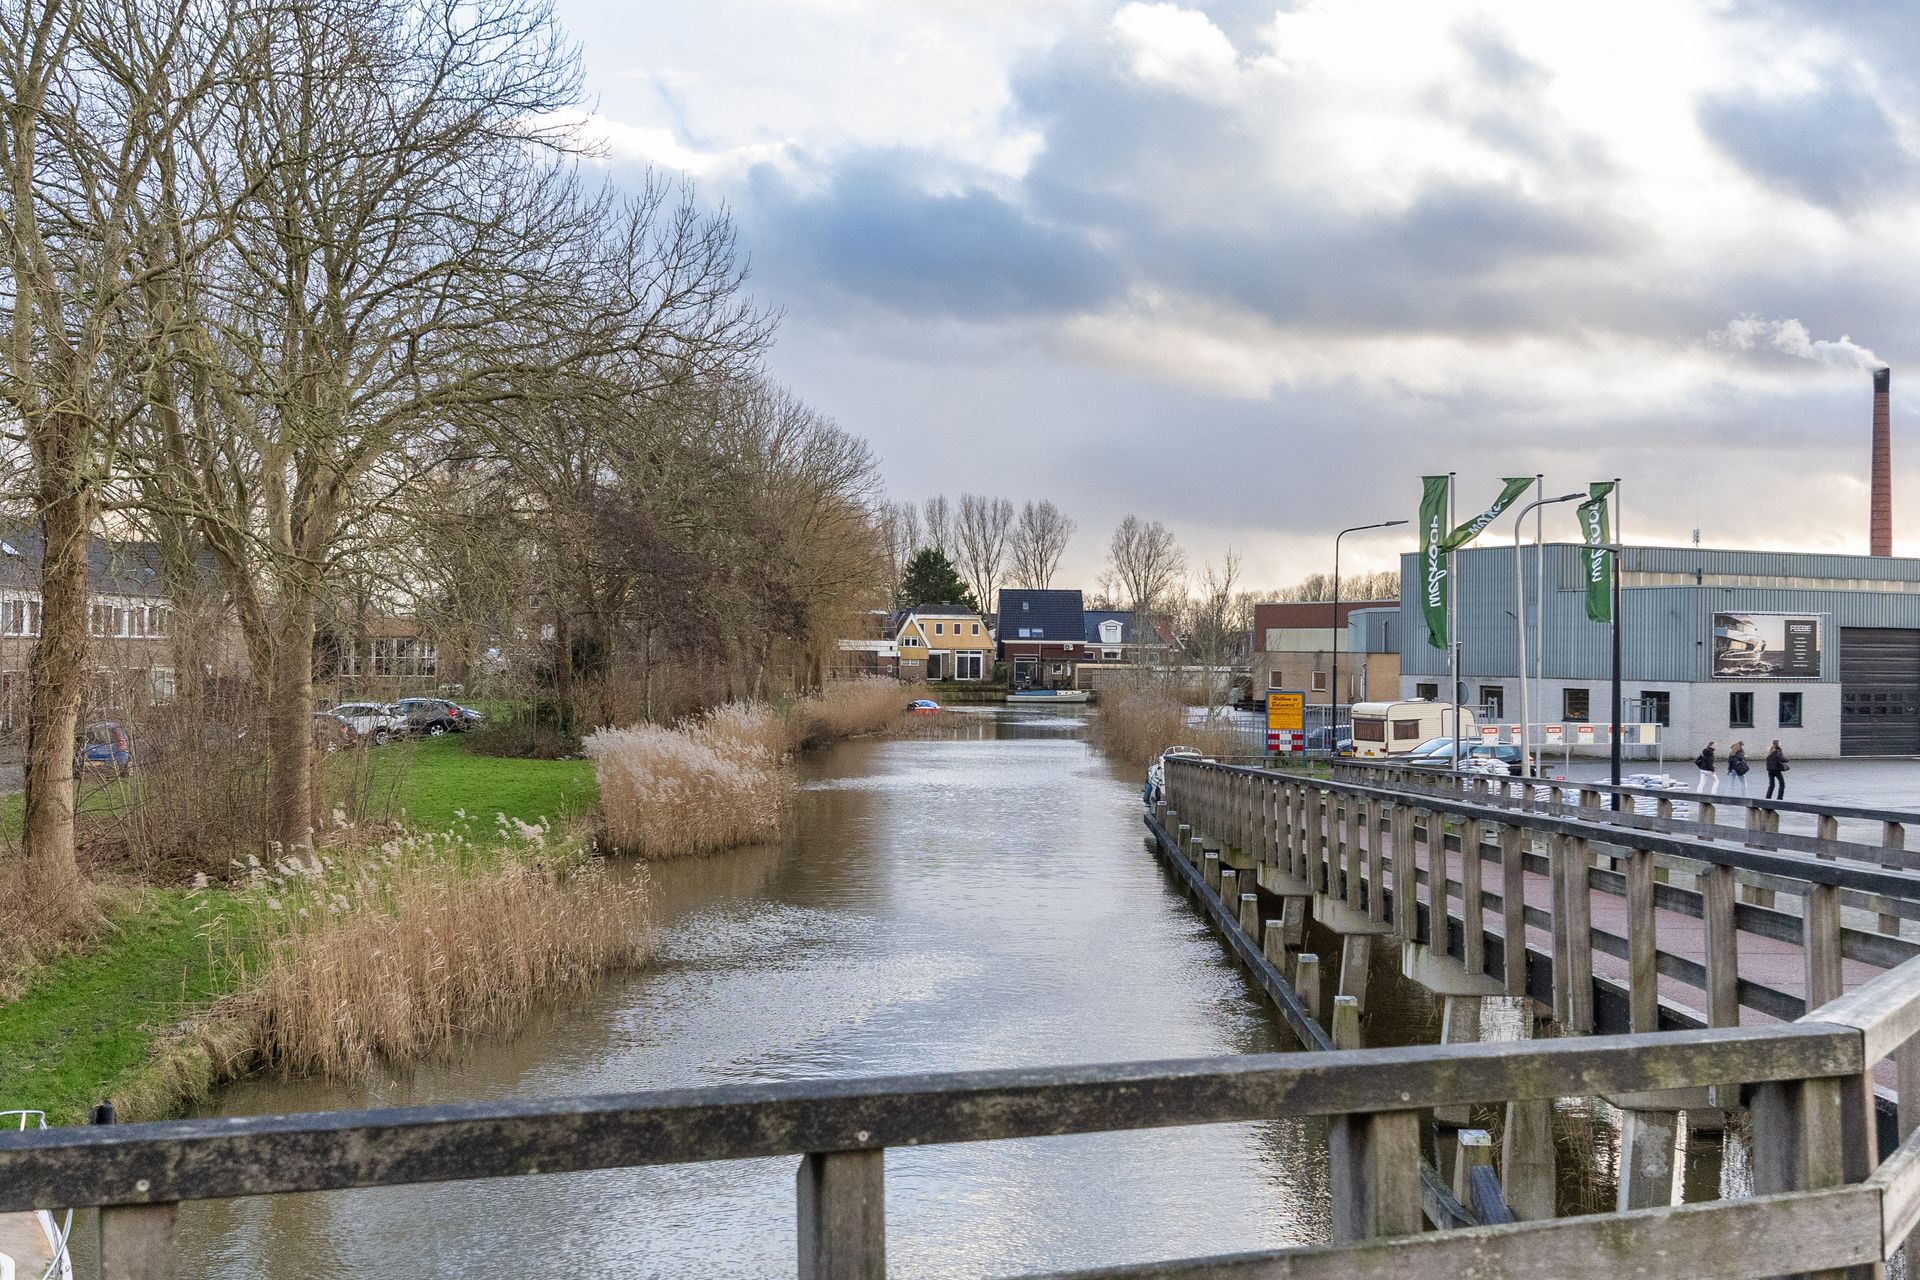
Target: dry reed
pixel 1136 722
pixel 721 779
pixel 403 949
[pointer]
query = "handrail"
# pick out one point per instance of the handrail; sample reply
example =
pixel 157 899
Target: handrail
pixel 1811 808
pixel 331 1150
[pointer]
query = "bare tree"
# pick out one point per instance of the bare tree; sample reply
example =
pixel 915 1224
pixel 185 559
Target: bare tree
pixel 1147 566
pixel 982 532
pixel 900 523
pixel 90 91
pixel 937 518
pixel 1213 629
pixel 1039 541
pixel 1383 584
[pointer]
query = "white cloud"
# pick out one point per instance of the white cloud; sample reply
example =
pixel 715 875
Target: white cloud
pixel 1176 46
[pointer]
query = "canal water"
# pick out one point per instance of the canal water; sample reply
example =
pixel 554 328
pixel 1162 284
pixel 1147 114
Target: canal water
pixel 973 897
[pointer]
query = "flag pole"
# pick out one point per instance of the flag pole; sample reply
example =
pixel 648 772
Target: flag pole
pixel 1453 621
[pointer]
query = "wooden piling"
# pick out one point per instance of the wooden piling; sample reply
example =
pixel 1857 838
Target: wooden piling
pixel 843 1220
pixel 1250 914
pixel 1375 1162
pixel 1475 1151
pixel 1527 1174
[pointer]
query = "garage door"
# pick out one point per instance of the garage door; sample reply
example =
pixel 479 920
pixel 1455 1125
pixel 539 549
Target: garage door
pixel 1879 691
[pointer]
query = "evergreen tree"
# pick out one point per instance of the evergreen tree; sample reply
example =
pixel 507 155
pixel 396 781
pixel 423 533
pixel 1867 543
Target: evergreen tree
pixel 931 579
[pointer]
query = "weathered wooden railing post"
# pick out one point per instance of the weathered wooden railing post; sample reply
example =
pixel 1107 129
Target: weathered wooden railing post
pixel 1643 977
pixel 1376 866
pixel 1473 943
pixel 1798 1139
pixel 843 1215
pixel 1893 835
pixel 1820 943
pixel 136 1242
pixel 1376 1175
pixel 1579 931
pixel 1513 909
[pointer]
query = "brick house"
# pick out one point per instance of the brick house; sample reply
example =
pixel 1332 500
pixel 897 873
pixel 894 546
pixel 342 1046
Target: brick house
pixel 1042 637
pixel 1293 649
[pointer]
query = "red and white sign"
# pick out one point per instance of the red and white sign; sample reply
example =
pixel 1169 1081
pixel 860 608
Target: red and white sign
pixel 1489 733
pixel 1555 733
pixel 1583 733
pixel 1281 741
pixel 1515 732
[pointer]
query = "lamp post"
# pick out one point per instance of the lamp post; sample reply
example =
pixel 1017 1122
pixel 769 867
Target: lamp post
pixel 1520 629
pixel 1616 550
pixel 1333 683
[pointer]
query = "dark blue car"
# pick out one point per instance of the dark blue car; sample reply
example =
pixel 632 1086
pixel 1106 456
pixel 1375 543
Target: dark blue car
pixel 103 745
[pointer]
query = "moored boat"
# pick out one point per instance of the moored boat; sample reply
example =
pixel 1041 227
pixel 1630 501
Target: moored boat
pixel 32 1245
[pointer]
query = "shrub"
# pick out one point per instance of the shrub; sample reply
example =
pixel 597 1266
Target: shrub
pixel 1136 722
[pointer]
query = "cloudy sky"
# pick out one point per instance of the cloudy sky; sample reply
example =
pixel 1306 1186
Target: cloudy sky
pixel 1252 269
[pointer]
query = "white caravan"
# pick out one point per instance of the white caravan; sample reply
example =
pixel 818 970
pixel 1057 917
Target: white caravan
pixel 1392 728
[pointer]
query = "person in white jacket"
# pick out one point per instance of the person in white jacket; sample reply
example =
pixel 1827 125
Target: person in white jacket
pixel 1709 782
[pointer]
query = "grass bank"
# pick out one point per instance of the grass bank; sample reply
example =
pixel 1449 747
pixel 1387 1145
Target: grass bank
pixel 176 989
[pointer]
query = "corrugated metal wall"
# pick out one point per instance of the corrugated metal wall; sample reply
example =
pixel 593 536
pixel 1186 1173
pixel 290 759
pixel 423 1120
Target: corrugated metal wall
pixel 1667 631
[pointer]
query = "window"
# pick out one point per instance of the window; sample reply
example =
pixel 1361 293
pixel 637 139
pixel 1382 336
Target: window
pixel 976 628
pixel 158 619
pixel 1740 710
pixel 1319 682
pixel 161 684
pixel 1789 711
pixel 1110 632
pixel 1428 691
pixel 939 628
pixel 1656 707
pixel 1111 655
pixel 967 666
pixel 1575 704
pixel 1494 698
pixel 1025 633
pixel 20 617
pixel 1407 731
pixel 1367 729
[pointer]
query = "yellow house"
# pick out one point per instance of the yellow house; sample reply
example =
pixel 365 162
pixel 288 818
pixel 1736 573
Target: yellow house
pixel 944 642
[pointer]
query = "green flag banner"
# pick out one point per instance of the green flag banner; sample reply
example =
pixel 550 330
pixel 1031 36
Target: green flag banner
pixel 1433 557
pixel 1594 528
pixel 1511 489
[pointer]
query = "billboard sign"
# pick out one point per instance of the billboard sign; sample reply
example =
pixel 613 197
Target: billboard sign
pixel 1766 646
pixel 1286 720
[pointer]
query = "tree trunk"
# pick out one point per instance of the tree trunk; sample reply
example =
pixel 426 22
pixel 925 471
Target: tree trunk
pixel 290 718
pixel 57 674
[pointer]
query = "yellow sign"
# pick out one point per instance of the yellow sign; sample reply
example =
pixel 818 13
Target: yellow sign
pixel 1286 712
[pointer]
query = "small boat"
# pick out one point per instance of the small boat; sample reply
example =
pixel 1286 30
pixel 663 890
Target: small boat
pixel 924 707
pixel 32 1245
pixel 1050 695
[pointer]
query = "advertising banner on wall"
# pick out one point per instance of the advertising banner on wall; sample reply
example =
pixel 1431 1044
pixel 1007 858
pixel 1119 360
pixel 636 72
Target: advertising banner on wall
pixel 1766 646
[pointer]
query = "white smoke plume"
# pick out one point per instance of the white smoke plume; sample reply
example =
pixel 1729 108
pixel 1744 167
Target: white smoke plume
pixel 1792 338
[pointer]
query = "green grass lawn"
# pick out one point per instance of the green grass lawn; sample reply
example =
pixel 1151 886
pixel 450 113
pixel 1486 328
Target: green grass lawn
pixel 441 777
pixel 88 1021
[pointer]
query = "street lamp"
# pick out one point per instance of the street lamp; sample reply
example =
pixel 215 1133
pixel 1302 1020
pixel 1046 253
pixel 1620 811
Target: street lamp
pixel 1520 629
pixel 1333 684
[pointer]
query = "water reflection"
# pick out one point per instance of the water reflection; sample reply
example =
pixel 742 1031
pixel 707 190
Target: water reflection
pixel 974 895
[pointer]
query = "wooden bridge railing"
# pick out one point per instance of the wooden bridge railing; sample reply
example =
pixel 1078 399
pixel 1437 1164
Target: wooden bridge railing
pixel 1823 1201
pixel 1398 860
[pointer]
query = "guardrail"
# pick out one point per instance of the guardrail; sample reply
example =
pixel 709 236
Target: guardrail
pixel 1823 1201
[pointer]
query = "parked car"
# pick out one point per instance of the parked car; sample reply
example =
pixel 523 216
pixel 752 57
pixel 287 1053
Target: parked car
pixel 432 716
pixel 375 721
pixel 1329 738
pixel 1441 757
pixel 103 745
pixel 470 718
pixel 332 731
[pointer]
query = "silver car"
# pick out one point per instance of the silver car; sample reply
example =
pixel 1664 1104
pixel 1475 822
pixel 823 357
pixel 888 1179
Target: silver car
pixel 373 721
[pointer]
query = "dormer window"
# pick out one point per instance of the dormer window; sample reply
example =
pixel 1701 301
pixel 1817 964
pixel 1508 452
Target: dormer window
pixel 1110 632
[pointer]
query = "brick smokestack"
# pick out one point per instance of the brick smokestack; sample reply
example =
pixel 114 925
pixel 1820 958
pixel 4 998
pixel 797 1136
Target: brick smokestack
pixel 1882 533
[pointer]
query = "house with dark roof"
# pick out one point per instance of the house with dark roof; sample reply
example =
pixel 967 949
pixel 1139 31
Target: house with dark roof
pixel 943 642
pixel 1043 637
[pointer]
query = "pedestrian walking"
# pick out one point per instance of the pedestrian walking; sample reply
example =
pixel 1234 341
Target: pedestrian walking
pixel 1777 767
pixel 1709 782
pixel 1737 768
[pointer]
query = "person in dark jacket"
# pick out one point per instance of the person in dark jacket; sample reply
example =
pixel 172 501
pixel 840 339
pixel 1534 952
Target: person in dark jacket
pixel 1709 782
pixel 1737 768
pixel 1776 771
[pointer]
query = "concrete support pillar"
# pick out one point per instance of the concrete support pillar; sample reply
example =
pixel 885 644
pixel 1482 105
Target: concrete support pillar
pixel 1648 1143
pixel 1306 982
pixel 1346 1023
pixel 1527 1175
pixel 1356 952
pixel 1293 917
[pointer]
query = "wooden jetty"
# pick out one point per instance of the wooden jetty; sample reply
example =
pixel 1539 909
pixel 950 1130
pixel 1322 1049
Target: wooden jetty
pixel 1476 895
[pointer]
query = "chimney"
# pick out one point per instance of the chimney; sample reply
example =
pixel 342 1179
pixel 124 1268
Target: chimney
pixel 1882 531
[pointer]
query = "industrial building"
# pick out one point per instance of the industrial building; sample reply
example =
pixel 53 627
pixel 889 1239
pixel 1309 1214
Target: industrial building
pixel 1820 651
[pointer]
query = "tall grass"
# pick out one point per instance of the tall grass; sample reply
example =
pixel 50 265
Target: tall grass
pixel 846 709
pixel 1136 722
pixel 401 949
pixel 721 779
